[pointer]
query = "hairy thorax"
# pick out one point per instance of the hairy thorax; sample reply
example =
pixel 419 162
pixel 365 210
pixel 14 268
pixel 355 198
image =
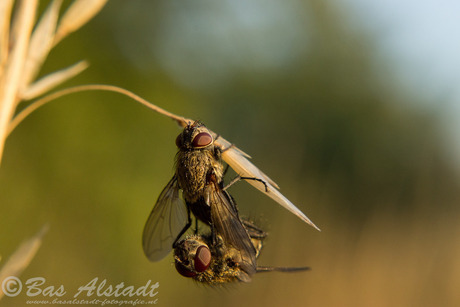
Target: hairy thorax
pixel 194 169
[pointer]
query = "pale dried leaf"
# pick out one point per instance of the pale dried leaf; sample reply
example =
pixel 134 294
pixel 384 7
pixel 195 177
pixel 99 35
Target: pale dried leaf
pixel 40 43
pixel 24 14
pixel 10 81
pixel 22 256
pixel 5 13
pixel 52 80
pixel 18 41
pixel 79 13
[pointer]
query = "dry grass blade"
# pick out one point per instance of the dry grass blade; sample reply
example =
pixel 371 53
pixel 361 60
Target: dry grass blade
pixel 23 25
pixel 40 43
pixel 182 121
pixel 50 81
pixel 77 15
pixel 24 16
pixel 22 256
pixel 10 79
pixel 5 13
pixel 23 52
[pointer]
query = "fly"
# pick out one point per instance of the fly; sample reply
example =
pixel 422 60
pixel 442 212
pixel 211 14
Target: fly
pixel 239 162
pixel 218 263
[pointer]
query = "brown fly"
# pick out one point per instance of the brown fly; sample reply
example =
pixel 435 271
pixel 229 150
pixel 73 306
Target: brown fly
pixel 238 161
pixel 219 263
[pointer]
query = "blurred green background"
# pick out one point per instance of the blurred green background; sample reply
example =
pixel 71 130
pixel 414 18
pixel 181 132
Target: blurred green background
pixel 300 86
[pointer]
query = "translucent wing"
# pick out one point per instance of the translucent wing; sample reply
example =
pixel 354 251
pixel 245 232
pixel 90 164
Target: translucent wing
pixel 167 219
pixel 227 224
pixel 238 161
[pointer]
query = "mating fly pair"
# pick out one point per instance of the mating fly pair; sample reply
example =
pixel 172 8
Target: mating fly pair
pixel 199 176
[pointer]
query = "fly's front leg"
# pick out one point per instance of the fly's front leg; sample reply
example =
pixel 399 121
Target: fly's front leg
pixel 218 155
pixel 213 235
pixel 225 170
pixel 196 226
pixel 222 149
pixel 238 178
pixel 254 231
pixel 186 227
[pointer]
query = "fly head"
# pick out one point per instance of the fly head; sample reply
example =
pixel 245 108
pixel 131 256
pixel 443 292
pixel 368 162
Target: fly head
pixel 195 136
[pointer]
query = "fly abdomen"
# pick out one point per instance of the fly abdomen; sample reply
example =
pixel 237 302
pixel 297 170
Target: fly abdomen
pixel 201 210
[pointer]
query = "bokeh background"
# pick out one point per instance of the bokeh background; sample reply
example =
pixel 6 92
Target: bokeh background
pixel 349 106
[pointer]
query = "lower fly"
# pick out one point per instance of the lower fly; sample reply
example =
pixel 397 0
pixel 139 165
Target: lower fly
pixel 214 262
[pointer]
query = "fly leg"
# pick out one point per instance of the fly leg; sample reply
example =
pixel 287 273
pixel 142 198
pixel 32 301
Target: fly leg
pixel 223 149
pixel 196 226
pixel 232 202
pixel 219 152
pixel 186 227
pixel 213 235
pixel 254 231
pixel 225 170
pixel 238 178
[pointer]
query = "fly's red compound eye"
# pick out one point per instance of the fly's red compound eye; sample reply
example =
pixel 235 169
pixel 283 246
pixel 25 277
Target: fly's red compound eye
pixel 202 139
pixel 182 270
pixel 202 258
